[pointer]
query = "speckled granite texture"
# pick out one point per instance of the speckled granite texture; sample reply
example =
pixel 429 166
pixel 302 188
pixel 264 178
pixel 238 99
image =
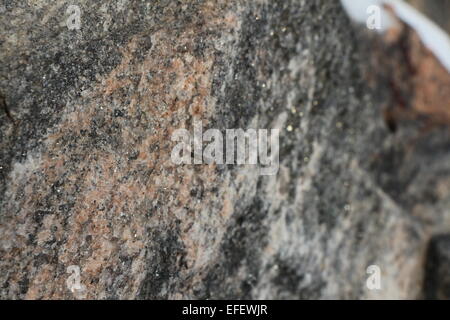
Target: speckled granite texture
pixel 86 177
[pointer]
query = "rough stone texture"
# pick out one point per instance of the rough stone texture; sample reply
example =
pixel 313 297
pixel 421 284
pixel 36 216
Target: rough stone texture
pixel 87 180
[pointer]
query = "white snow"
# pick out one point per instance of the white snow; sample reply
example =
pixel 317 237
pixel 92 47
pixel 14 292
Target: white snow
pixel 433 37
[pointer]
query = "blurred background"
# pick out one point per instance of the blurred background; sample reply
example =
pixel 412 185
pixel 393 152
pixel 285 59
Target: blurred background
pixel 438 10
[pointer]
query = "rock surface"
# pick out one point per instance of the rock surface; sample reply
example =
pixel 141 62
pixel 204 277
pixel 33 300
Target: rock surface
pixel 437 280
pixel 86 177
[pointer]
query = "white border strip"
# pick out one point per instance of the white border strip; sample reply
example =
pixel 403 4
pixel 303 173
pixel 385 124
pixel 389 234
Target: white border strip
pixel 433 37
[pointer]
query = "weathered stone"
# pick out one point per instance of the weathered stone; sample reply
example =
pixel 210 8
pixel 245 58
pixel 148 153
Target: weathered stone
pixel 436 9
pixel 437 277
pixel 87 178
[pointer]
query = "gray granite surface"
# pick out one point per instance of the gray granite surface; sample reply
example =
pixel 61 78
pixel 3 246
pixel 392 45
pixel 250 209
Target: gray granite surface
pixel 86 177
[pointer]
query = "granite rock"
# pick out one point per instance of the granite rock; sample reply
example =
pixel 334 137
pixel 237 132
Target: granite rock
pixel 86 177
